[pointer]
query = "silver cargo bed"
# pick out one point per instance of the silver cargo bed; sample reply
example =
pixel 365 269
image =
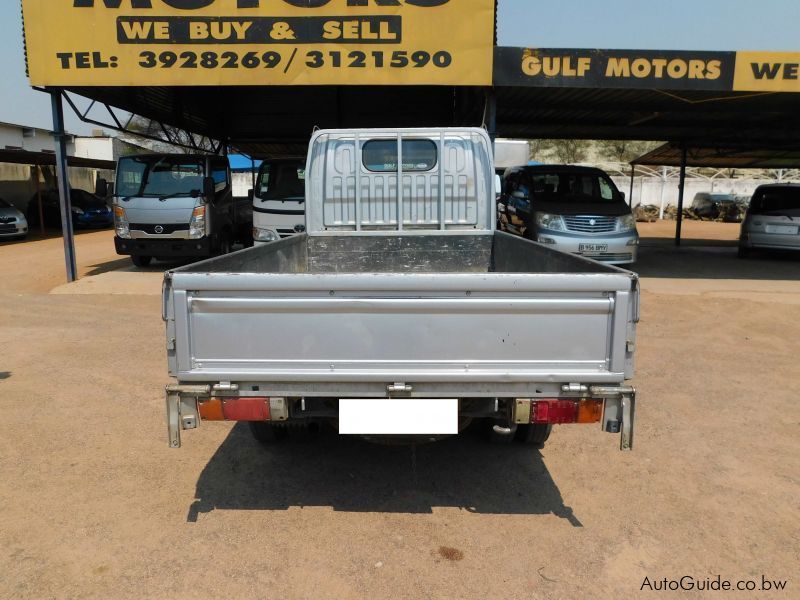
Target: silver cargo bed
pixel 454 315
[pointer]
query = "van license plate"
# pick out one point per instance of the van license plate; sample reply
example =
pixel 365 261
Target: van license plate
pixel 398 417
pixel 783 229
pixel 592 248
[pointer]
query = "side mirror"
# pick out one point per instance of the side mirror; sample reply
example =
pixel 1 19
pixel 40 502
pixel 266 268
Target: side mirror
pixel 250 194
pixel 498 186
pixel 101 188
pixel 209 188
pixel 624 197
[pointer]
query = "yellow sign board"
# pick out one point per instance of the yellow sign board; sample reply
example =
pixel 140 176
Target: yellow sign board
pixel 259 42
pixel 767 72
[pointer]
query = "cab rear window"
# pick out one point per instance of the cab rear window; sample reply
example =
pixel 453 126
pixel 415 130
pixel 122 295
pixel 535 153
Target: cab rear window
pixel 380 156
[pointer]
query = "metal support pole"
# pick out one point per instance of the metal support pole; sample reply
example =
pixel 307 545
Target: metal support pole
pixel 62 176
pixel 663 185
pixel 681 190
pixel 37 174
pixel 633 176
pixel 491 114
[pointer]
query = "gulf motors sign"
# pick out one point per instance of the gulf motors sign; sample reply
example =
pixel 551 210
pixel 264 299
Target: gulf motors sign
pixel 614 68
pixel 259 42
pixel 648 69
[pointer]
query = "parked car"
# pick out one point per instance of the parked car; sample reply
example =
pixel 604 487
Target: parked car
pixel 88 210
pixel 574 209
pixel 719 207
pixel 13 224
pixel 773 220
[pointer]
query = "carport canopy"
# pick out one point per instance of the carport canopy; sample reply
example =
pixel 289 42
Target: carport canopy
pixel 270 121
pixel 45 159
pixel 720 157
pixel 742 155
pixel 292 67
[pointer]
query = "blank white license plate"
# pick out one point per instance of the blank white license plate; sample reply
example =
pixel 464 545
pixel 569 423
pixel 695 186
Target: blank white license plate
pixel 592 248
pixel 783 229
pixel 398 417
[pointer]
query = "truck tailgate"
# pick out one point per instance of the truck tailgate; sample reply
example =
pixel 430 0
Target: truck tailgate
pixel 470 328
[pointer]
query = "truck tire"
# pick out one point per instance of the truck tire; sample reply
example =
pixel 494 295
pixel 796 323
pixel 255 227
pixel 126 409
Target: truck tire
pixel 533 435
pixel 267 434
pixel 225 243
pixel 141 261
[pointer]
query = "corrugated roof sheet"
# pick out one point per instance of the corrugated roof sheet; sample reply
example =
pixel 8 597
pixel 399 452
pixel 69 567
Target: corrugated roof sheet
pixel 669 155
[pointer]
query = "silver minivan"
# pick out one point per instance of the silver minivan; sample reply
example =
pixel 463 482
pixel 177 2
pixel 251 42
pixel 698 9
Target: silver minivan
pixel 574 209
pixel 773 220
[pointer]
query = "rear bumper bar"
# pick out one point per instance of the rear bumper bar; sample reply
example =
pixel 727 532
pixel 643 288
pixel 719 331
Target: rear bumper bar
pixel 174 248
pixel 187 405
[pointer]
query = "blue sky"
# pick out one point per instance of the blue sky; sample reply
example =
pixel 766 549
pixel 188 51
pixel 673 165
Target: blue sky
pixel 639 24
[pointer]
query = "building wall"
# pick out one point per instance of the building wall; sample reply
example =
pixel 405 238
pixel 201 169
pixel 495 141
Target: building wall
pixel 98 148
pixel 30 139
pixel 648 190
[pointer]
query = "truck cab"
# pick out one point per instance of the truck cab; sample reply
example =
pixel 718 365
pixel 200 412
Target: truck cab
pixel 279 200
pixel 176 206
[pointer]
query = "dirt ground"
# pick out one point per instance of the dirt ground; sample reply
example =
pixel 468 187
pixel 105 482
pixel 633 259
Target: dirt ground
pixel 93 504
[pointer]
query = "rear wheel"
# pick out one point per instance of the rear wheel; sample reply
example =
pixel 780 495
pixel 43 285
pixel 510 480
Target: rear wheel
pixel 533 435
pixel 141 260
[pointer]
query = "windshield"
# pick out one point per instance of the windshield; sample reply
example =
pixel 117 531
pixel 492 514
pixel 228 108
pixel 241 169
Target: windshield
pixel 285 180
pixel 775 200
pixel 570 187
pixel 159 176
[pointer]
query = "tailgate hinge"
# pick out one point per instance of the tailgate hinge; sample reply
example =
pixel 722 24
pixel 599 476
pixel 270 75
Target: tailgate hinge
pixel 399 388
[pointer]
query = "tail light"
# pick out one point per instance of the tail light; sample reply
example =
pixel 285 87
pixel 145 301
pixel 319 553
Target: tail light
pixel 235 409
pixel 562 412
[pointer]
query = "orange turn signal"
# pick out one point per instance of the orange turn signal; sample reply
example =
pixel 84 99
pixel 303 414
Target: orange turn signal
pixel 211 410
pixel 590 411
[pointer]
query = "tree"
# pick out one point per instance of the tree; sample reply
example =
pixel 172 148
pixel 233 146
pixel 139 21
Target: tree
pixel 564 151
pixel 174 139
pixel 624 151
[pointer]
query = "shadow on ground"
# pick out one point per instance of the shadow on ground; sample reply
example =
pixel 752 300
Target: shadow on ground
pixel 125 264
pixel 4 375
pixel 713 259
pixel 35 235
pixel 351 475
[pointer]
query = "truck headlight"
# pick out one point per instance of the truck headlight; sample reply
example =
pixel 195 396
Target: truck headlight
pixel 197 226
pixel 121 225
pixel 626 223
pixel 77 211
pixel 551 222
pixel 265 235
